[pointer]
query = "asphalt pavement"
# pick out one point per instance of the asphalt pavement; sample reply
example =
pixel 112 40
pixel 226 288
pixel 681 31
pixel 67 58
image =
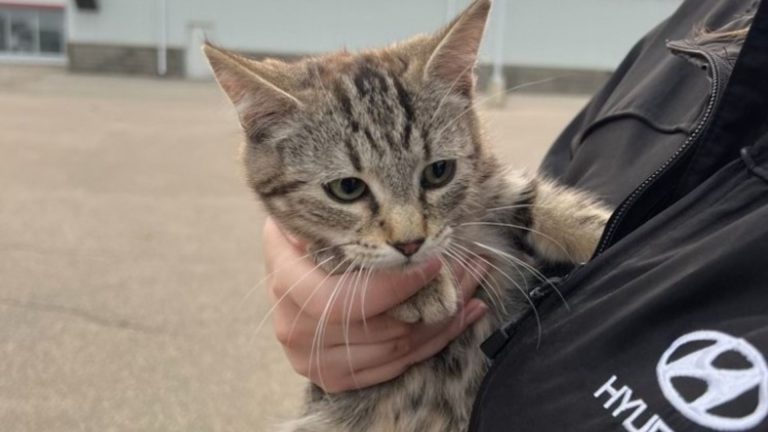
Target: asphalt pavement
pixel 130 254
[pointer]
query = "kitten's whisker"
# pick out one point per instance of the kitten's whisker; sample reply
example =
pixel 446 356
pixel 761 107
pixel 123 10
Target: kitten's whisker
pixel 362 299
pixel 510 207
pixel 330 273
pixel 523 228
pixel 448 92
pixel 318 326
pixel 534 83
pixel 488 98
pixel 509 258
pixel 515 267
pixel 322 86
pixel 524 265
pixel 311 295
pixel 356 283
pixel 285 295
pixel 322 324
pixel 344 307
pixel 530 268
pixel 266 278
pixel 517 206
pixel 494 294
pixel 453 278
pixel 351 273
pixel 517 286
pixel 467 254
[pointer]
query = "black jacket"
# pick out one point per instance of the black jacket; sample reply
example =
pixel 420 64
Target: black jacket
pixel 666 328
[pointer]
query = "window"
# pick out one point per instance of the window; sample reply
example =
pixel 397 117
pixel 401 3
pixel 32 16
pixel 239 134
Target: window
pixel 51 31
pixel 3 32
pixel 31 31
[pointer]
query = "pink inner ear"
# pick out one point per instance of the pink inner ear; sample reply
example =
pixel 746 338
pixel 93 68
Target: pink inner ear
pixel 259 103
pixel 259 111
pixel 456 69
pixel 455 57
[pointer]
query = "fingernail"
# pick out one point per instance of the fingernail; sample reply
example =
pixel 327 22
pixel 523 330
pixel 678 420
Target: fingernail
pixel 296 242
pixel 432 265
pixel 478 311
pixel 481 266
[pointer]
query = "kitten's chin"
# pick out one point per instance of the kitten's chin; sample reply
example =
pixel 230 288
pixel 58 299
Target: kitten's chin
pixel 402 263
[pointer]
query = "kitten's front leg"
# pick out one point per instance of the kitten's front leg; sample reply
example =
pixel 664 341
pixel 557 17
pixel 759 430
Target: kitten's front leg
pixel 566 224
pixel 435 302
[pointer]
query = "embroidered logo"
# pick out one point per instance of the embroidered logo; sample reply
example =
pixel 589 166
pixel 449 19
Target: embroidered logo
pixel 723 371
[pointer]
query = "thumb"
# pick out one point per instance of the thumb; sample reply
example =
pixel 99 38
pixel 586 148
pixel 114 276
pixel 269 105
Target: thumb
pixel 272 225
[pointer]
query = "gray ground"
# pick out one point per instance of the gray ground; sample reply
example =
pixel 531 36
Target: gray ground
pixel 128 249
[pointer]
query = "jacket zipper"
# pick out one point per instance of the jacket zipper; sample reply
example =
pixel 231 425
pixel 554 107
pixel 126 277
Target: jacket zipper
pixel 494 345
pixel 496 342
pixel 618 217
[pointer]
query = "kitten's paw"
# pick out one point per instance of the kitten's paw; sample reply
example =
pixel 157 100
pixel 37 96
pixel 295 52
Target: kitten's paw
pixel 434 303
pixel 407 313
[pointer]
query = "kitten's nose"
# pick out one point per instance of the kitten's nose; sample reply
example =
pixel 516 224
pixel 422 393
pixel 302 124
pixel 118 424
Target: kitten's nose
pixel 410 247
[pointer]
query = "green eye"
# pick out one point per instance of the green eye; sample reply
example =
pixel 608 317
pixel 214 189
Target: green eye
pixel 438 174
pixel 347 189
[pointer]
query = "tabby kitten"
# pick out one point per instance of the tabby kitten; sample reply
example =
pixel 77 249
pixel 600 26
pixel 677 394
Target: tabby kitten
pixel 377 159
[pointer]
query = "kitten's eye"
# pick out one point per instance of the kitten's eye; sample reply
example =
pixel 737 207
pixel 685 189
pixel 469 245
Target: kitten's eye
pixel 438 174
pixel 346 190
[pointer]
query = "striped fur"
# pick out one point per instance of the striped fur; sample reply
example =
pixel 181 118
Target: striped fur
pixel 384 116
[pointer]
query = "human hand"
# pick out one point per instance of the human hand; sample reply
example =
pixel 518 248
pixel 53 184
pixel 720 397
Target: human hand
pixel 361 345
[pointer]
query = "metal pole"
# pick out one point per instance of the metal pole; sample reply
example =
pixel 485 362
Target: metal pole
pixel 36 37
pixel 498 84
pixel 162 49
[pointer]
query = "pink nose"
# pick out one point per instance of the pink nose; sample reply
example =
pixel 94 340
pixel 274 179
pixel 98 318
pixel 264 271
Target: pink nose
pixel 410 247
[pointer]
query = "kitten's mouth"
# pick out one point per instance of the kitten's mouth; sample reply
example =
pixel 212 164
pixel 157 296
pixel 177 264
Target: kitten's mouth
pixel 411 262
pixel 389 258
pixel 405 264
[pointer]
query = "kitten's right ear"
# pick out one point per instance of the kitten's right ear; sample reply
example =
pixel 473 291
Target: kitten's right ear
pixel 453 59
pixel 258 101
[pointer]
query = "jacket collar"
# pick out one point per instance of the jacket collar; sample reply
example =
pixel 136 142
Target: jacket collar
pixel 742 111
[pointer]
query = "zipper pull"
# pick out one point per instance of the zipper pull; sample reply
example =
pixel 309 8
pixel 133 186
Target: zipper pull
pixel 546 287
pixel 493 345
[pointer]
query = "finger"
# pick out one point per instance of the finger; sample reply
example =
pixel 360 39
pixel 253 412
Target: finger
pixel 429 340
pixel 342 361
pixel 457 269
pixel 470 283
pixel 467 274
pixel 321 294
pixel 279 245
pixel 381 329
pixel 292 239
pixel 429 343
pixel 294 328
pixel 345 360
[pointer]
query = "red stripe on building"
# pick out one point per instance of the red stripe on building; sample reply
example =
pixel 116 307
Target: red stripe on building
pixel 32 5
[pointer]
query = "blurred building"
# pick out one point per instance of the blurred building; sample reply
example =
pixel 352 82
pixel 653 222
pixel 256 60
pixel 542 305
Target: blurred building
pixel 578 40
pixel 33 31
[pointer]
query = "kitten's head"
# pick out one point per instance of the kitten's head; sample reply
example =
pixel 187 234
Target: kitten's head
pixel 374 155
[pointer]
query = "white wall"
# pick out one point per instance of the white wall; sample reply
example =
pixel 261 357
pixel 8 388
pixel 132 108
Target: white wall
pixel 593 34
pixel 121 22
pixel 589 34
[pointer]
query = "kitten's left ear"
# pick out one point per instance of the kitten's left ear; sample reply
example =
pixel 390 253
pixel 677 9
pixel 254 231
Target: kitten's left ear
pixel 255 88
pixel 453 60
